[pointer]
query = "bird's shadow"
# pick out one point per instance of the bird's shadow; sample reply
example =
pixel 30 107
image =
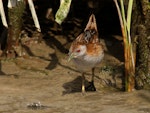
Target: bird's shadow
pixel 75 86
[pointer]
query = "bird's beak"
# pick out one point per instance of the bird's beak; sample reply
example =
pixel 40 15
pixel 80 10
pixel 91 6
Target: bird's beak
pixel 71 56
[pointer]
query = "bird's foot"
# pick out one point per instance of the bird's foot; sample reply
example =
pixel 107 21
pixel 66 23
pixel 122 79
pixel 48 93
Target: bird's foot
pixel 90 87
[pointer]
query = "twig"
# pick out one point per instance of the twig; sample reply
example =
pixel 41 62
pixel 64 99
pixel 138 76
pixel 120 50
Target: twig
pixel 33 12
pixel 2 13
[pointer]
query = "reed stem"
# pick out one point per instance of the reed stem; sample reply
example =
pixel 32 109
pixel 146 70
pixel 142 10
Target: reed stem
pixel 128 53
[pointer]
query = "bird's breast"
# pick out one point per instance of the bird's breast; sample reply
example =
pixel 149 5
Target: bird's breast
pixel 87 62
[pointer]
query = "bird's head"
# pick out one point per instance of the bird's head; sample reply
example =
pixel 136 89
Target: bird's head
pixel 77 51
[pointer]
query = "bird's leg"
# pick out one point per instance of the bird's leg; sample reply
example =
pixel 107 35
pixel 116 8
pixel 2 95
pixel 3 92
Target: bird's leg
pixel 83 83
pixel 91 86
pixel 92 80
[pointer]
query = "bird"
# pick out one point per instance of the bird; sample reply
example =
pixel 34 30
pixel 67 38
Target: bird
pixel 86 51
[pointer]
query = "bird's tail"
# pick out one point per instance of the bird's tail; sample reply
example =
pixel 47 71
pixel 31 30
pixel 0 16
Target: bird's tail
pixel 91 23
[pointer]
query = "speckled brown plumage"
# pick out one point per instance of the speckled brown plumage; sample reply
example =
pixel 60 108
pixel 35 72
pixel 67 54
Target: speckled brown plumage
pixel 86 51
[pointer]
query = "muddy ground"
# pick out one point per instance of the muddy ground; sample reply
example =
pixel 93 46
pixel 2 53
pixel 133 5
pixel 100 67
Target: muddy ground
pixel 44 82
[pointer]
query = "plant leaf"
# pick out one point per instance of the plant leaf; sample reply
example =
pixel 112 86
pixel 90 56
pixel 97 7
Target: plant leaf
pixel 63 11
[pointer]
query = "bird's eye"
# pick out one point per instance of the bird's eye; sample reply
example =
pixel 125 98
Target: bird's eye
pixel 78 51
